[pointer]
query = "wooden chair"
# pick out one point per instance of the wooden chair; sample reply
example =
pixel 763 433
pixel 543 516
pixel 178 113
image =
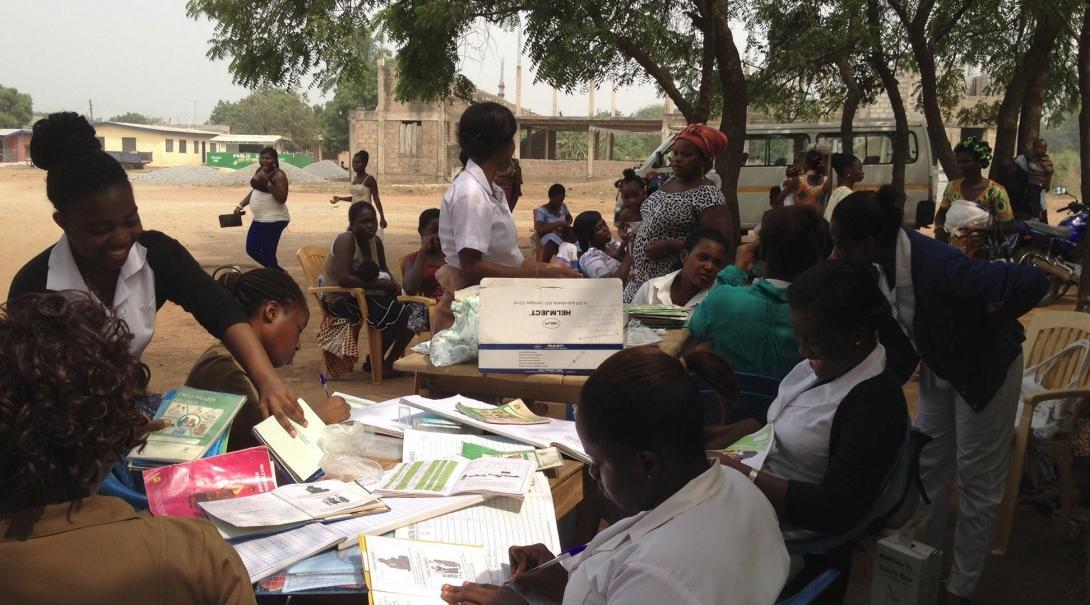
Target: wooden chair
pixel 1048 334
pixel 431 303
pixel 312 259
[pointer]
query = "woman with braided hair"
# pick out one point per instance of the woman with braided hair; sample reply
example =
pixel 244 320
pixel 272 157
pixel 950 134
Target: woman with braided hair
pixel 278 313
pixel 972 155
pixel 105 251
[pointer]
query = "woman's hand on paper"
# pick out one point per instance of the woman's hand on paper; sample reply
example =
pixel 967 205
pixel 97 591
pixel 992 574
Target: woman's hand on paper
pixel 549 581
pixel 277 399
pixel 333 410
pixel 481 594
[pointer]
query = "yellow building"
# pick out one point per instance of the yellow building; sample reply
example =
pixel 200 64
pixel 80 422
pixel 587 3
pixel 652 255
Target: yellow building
pixel 168 145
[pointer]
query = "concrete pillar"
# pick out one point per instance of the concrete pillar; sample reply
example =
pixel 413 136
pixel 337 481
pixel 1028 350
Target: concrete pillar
pixel 518 143
pixel 591 86
pixel 554 103
pixel 380 113
pixel 518 86
pixel 550 145
pixel 592 138
pixel 612 113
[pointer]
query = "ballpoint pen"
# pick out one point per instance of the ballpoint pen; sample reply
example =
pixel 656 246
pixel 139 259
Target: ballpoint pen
pixel 567 554
pixel 325 383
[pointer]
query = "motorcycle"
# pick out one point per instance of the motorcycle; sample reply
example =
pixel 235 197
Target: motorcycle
pixel 1056 250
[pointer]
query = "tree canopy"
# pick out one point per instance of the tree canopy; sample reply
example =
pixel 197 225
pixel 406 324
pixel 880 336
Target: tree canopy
pixel 131 117
pixel 270 111
pixel 16 108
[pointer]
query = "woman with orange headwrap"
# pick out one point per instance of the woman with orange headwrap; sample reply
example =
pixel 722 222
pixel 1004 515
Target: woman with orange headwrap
pixel 686 201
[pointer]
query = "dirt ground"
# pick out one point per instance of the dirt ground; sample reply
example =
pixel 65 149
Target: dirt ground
pixel 1046 564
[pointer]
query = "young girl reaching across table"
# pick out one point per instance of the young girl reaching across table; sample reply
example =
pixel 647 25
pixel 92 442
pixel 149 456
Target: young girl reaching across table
pixel 278 313
pixel 106 252
pixel 699 532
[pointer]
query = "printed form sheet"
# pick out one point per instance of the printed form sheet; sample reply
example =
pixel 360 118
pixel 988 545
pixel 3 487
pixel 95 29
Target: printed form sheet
pixel 496 524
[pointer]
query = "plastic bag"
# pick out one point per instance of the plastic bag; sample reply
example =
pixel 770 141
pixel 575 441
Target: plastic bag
pixel 460 342
pixel 964 214
pixel 345 446
pixel 1056 415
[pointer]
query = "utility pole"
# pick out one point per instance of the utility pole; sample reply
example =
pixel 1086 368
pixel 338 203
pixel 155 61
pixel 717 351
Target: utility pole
pixel 194 112
pixel 91 109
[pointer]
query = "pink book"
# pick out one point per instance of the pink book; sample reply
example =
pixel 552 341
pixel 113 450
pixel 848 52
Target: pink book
pixel 175 490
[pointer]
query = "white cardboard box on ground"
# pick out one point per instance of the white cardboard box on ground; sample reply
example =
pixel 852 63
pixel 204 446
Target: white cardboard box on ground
pixel 549 326
pixel 905 573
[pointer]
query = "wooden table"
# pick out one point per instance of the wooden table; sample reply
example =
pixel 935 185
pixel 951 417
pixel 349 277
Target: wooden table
pixel 465 379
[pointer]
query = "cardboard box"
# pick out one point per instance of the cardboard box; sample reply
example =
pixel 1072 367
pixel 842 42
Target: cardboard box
pixel 905 573
pixel 549 326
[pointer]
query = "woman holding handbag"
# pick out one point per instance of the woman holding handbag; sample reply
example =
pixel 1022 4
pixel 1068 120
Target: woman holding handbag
pixel 268 198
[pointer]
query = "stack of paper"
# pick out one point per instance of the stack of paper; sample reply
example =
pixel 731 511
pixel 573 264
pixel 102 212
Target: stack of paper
pixel 294 504
pixel 298 455
pixel 555 433
pixel 266 555
pixel 198 426
pixel 659 316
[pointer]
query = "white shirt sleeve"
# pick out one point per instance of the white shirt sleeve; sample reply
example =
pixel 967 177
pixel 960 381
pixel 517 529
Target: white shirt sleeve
pixel 644 294
pixel 471 216
pixel 640 583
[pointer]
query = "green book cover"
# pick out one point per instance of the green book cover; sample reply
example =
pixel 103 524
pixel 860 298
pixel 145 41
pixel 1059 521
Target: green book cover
pixel 197 420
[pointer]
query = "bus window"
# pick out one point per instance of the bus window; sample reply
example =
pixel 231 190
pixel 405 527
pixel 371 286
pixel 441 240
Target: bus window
pixel 774 150
pixel 871 147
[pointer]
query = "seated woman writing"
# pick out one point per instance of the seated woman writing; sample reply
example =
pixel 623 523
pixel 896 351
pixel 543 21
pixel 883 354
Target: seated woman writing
pixel 69 393
pixel 840 416
pixel 278 314
pixel 704 255
pixel 351 263
pixel 699 533
pixel 599 258
pixel 748 324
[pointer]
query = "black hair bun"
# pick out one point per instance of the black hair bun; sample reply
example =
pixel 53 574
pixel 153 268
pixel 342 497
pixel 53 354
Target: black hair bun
pixel 886 196
pixel 629 173
pixel 59 137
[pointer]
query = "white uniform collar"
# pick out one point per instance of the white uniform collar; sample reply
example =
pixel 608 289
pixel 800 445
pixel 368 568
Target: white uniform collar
pixel 803 380
pixel 474 170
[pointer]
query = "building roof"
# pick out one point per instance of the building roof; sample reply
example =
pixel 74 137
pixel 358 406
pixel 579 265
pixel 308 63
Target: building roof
pixel 7 132
pixel 265 139
pixel 160 128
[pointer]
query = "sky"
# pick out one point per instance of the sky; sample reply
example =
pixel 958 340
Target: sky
pixel 148 57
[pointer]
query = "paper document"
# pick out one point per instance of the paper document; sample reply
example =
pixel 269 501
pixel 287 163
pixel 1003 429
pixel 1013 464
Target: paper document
pixel 355 402
pixel 497 525
pixel 333 568
pixel 514 412
pixel 296 503
pixel 298 455
pixel 423 445
pixel 403 511
pixel 414 568
pixel 752 449
pixel 451 477
pixel 265 556
pixel 555 433
pixel 197 420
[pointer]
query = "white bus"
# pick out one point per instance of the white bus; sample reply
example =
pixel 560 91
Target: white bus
pixel 770 148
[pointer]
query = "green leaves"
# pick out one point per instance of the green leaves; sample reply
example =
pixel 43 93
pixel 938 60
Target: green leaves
pixel 15 108
pixel 270 111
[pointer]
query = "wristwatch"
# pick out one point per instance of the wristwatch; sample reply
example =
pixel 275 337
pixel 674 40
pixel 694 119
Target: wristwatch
pixel 753 474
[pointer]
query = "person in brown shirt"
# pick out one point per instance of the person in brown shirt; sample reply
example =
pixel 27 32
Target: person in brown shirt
pixel 278 313
pixel 69 390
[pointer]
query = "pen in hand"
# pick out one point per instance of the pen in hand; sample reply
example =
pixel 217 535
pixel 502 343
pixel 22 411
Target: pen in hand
pixel 567 554
pixel 325 383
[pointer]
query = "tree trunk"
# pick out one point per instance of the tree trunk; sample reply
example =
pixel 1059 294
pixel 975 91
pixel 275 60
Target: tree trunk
pixel 1084 141
pixel 900 117
pixel 1006 128
pixel 929 95
pixel 1035 69
pixel 732 81
pixel 851 103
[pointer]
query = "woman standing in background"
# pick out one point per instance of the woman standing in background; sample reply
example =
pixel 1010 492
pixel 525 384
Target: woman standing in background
pixel 364 187
pixel 268 198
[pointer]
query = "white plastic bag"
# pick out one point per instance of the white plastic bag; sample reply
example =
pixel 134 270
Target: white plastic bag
pixel 964 214
pixel 1054 416
pixel 345 446
pixel 458 343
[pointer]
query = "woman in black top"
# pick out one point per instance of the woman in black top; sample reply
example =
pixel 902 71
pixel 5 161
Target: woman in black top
pixel 106 252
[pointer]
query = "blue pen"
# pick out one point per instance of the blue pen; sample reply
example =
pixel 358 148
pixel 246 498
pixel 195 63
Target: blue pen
pixel 325 383
pixel 567 554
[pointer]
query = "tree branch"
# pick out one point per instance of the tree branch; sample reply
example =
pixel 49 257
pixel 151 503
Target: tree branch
pixel 965 5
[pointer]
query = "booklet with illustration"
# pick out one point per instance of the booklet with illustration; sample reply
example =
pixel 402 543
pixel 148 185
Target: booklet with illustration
pixel 411 571
pixel 176 490
pixel 753 448
pixel 486 476
pixel 197 420
pixel 560 434
pixel 298 455
pixel 543 459
pixel 295 503
pixel 514 412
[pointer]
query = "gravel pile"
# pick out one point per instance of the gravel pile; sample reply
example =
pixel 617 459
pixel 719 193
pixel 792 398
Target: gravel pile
pixel 186 175
pixel 295 175
pixel 327 169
